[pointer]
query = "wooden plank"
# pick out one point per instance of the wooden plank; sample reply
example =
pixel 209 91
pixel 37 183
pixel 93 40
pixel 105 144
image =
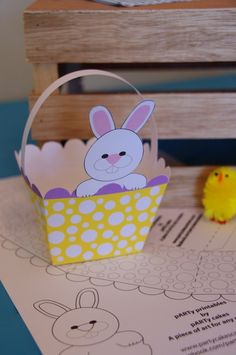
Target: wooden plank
pixel 180 115
pixel 43 76
pixel 95 33
pixel 52 5
pixel 186 187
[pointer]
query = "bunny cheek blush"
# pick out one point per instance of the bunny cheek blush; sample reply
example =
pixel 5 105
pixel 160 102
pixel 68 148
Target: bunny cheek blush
pixel 117 152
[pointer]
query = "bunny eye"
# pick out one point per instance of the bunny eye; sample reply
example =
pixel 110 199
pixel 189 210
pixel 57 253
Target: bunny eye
pixel 122 153
pixel 92 322
pixel 104 156
pixel 74 327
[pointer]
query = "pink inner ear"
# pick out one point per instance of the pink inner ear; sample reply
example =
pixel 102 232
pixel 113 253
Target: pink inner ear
pixel 101 123
pixel 138 118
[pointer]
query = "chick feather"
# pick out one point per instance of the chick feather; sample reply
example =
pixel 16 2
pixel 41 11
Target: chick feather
pixel 219 195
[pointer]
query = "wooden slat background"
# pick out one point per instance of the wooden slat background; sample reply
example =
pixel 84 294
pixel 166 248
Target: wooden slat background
pixel 185 189
pixel 80 31
pixel 180 115
pixel 95 33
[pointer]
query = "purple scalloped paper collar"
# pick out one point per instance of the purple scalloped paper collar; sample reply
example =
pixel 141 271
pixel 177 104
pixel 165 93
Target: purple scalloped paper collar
pixel 59 192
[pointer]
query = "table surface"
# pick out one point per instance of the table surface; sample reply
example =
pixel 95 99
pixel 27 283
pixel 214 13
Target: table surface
pixel 12 323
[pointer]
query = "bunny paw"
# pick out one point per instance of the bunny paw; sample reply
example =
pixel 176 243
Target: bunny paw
pixel 134 182
pixel 128 338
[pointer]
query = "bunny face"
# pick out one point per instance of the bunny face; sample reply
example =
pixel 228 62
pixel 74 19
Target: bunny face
pixel 114 155
pixel 85 326
pixel 117 152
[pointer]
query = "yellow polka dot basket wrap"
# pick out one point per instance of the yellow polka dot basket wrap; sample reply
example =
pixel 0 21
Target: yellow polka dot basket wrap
pixel 82 229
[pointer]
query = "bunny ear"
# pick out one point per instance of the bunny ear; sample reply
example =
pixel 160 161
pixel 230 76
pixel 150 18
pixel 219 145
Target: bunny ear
pixel 101 121
pixel 139 116
pixel 51 308
pixel 87 297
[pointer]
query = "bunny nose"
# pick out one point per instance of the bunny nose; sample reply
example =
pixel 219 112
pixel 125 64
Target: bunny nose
pixel 113 158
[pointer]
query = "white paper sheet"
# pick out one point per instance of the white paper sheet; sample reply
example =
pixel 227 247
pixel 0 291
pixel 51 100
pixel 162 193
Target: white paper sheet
pixel 176 297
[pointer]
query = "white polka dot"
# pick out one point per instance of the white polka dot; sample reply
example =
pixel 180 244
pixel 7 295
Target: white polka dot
pixel 137 195
pixel 139 245
pixel 152 219
pixel 58 206
pixel 85 224
pixel 129 218
pixel 75 218
pixel 143 203
pixel 116 218
pixel 94 245
pixel 89 236
pixel 69 211
pixel 98 216
pixel 72 230
pixel 129 250
pixel 158 200
pixel 88 255
pixel 134 237
pixel 155 190
pixel 56 237
pixel 128 209
pixel 72 239
pixel 115 238
pixel 56 220
pixel 105 249
pixel 154 209
pixel 142 217
pixel 100 201
pixel 73 251
pixel 45 203
pixel 72 201
pixel 101 226
pixel 124 200
pixel 110 205
pixel 117 252
pixel 107 234
pixel 87 207
pixel 55 251
pixel 60 258
pixel 122 244
pixel 144 230
pixel 44 211
pixel 128 230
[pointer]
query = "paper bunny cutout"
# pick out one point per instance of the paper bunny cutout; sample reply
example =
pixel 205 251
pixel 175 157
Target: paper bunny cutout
pixel 89 330
pixel 117 152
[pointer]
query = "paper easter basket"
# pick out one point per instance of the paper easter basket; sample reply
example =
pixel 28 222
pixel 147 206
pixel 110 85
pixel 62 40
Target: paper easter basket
pixel 88 217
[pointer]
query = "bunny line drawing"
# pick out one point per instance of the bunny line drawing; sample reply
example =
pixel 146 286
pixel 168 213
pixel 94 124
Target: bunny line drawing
pixel 90 330
pixel 117 152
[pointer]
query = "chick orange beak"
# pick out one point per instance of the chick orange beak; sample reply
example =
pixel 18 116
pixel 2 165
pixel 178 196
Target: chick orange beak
pixel 220 177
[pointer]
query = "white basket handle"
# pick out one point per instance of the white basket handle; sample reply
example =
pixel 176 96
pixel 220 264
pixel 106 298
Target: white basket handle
pixel 54 86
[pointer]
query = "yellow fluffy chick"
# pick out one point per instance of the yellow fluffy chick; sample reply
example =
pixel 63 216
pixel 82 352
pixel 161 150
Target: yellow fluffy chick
pixel 219 199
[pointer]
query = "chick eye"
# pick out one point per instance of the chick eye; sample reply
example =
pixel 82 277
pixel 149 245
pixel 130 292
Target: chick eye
pixel 226 175
pixel 216 174
pixel 104 156
pixel 74 327
pixel 122 153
